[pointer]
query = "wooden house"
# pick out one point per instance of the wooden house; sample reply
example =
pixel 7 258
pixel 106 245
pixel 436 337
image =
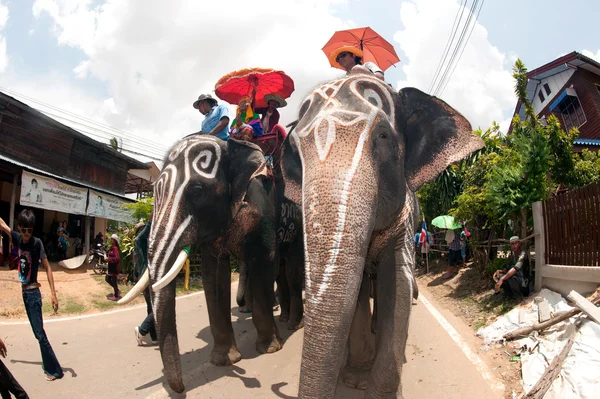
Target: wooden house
pixel 568 87
pixel 31 142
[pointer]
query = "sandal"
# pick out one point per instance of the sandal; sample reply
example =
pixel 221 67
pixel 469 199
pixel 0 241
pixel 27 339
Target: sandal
pixel 50 378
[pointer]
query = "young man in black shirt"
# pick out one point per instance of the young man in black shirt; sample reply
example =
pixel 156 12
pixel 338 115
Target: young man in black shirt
pixel 30 254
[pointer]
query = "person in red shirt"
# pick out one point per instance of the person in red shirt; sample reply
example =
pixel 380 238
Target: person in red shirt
pixel 113 258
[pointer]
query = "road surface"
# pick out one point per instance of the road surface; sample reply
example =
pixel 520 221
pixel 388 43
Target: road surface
pixel 101 359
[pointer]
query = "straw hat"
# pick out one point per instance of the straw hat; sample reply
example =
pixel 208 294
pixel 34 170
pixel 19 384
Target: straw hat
pixel 277 98
pixel 334 54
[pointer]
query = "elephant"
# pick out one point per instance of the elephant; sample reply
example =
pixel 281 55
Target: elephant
pixel 291 265
pixel 217 195
pixel 356 158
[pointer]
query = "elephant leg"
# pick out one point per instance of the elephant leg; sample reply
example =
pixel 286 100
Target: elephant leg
pixel 263 295
pixel 216 279
pixel 283 292
pixel 361 348
pixel 394 294
pixel 293 277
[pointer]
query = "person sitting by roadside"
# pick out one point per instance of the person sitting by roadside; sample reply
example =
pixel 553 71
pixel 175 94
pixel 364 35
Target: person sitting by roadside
pixel 246 123
pixel 454 254
pixel 514 280
pixel 113 258
pixel 216 117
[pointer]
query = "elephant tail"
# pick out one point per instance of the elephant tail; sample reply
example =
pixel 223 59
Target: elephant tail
pixel 243 283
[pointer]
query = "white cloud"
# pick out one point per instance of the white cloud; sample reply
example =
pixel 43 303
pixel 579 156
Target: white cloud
pixel 156 57
pixel 481 87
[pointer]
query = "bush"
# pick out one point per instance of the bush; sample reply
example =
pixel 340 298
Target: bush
pixel 496 264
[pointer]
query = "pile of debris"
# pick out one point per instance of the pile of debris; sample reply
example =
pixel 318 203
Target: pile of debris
pixel 558 345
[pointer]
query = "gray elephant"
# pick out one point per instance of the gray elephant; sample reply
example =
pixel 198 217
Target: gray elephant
pixel 290 277
pixel 215 194
pixel 357 156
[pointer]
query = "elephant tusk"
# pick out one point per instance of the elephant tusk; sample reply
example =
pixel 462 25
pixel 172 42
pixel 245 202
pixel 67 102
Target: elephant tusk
pixel 186 281
pixel 137 289
pixel 173 271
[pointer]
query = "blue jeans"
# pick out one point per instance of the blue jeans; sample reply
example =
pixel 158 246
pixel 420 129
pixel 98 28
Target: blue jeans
pixel 33 305
pixel 148 323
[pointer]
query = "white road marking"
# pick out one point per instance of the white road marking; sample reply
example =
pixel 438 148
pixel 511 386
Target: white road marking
pixel 456 337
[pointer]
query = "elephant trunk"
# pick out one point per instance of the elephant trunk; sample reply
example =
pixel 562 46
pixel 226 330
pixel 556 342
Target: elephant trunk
pixel 242 285
pixel 166 329
pixel 338 224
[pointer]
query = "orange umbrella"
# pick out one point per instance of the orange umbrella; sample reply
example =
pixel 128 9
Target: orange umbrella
pixel 254 82
pixel 374 48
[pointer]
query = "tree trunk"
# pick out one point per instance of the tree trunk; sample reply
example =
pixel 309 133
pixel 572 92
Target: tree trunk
pixel 524 214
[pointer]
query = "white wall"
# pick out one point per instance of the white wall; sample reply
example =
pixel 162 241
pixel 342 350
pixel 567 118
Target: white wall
pixel 556 83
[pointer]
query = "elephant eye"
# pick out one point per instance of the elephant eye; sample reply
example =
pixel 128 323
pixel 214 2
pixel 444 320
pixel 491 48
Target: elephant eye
pixel 383 135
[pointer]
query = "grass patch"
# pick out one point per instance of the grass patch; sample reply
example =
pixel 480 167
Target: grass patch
pixel 195 285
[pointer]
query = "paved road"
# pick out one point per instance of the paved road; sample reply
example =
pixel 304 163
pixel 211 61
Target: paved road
pixel 101 360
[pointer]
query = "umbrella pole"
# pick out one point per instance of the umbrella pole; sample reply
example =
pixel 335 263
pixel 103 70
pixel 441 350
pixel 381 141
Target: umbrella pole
pixel 427 261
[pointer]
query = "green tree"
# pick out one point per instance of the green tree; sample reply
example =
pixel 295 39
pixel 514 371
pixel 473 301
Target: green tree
pixel 141 209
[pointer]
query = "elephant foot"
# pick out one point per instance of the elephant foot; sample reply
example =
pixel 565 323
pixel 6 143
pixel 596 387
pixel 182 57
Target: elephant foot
pixel 295 325
pixel 270 345
pixel 245 309
pixel 284 317
pixel 220 357
pixel 355 377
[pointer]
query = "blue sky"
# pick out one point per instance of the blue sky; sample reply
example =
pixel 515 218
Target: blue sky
pixel 138 65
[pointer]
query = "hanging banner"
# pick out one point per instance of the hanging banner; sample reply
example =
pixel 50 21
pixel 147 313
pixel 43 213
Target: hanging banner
pixel 107 206
pixel 46 193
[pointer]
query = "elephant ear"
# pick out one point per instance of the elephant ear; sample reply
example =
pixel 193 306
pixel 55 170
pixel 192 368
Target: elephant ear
pixel 246 160
pixel 291 169
pixel 436 135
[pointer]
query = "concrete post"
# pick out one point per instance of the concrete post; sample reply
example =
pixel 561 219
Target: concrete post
pixel 13 201
pixel 540 242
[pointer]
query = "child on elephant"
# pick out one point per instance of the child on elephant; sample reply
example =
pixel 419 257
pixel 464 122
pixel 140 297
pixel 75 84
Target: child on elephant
pixel 246 123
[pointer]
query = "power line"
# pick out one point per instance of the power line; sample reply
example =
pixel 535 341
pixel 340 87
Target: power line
pixel 461 10
pixel 460 43
pixel 463 49
pixel 155 147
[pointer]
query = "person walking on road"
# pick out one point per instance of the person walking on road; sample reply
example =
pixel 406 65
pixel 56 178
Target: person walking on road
pixel 30 254
pixel 146 332
pixel 8 383
pixel 113 258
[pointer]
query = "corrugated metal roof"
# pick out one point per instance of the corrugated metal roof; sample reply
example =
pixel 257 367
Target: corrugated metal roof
pixel 64 179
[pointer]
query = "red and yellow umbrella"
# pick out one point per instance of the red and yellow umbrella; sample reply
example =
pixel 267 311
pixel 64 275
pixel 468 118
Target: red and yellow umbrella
pixel 373 47
pixel 254 82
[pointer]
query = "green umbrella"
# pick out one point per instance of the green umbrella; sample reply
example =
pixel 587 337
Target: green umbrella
pixel 445 222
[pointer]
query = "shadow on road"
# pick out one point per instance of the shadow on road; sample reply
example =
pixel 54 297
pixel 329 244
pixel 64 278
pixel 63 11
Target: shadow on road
pixel 65 369
pixel 197 369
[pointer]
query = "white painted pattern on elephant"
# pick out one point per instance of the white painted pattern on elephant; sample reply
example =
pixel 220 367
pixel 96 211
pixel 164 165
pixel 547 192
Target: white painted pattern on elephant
pixel 323 151
pixel 168 220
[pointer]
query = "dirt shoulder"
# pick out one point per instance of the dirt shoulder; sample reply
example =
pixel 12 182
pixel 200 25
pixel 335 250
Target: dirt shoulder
pixel 79 291
pixel 471 299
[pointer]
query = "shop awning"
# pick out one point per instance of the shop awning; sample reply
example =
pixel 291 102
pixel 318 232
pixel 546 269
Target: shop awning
pixel 64 179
